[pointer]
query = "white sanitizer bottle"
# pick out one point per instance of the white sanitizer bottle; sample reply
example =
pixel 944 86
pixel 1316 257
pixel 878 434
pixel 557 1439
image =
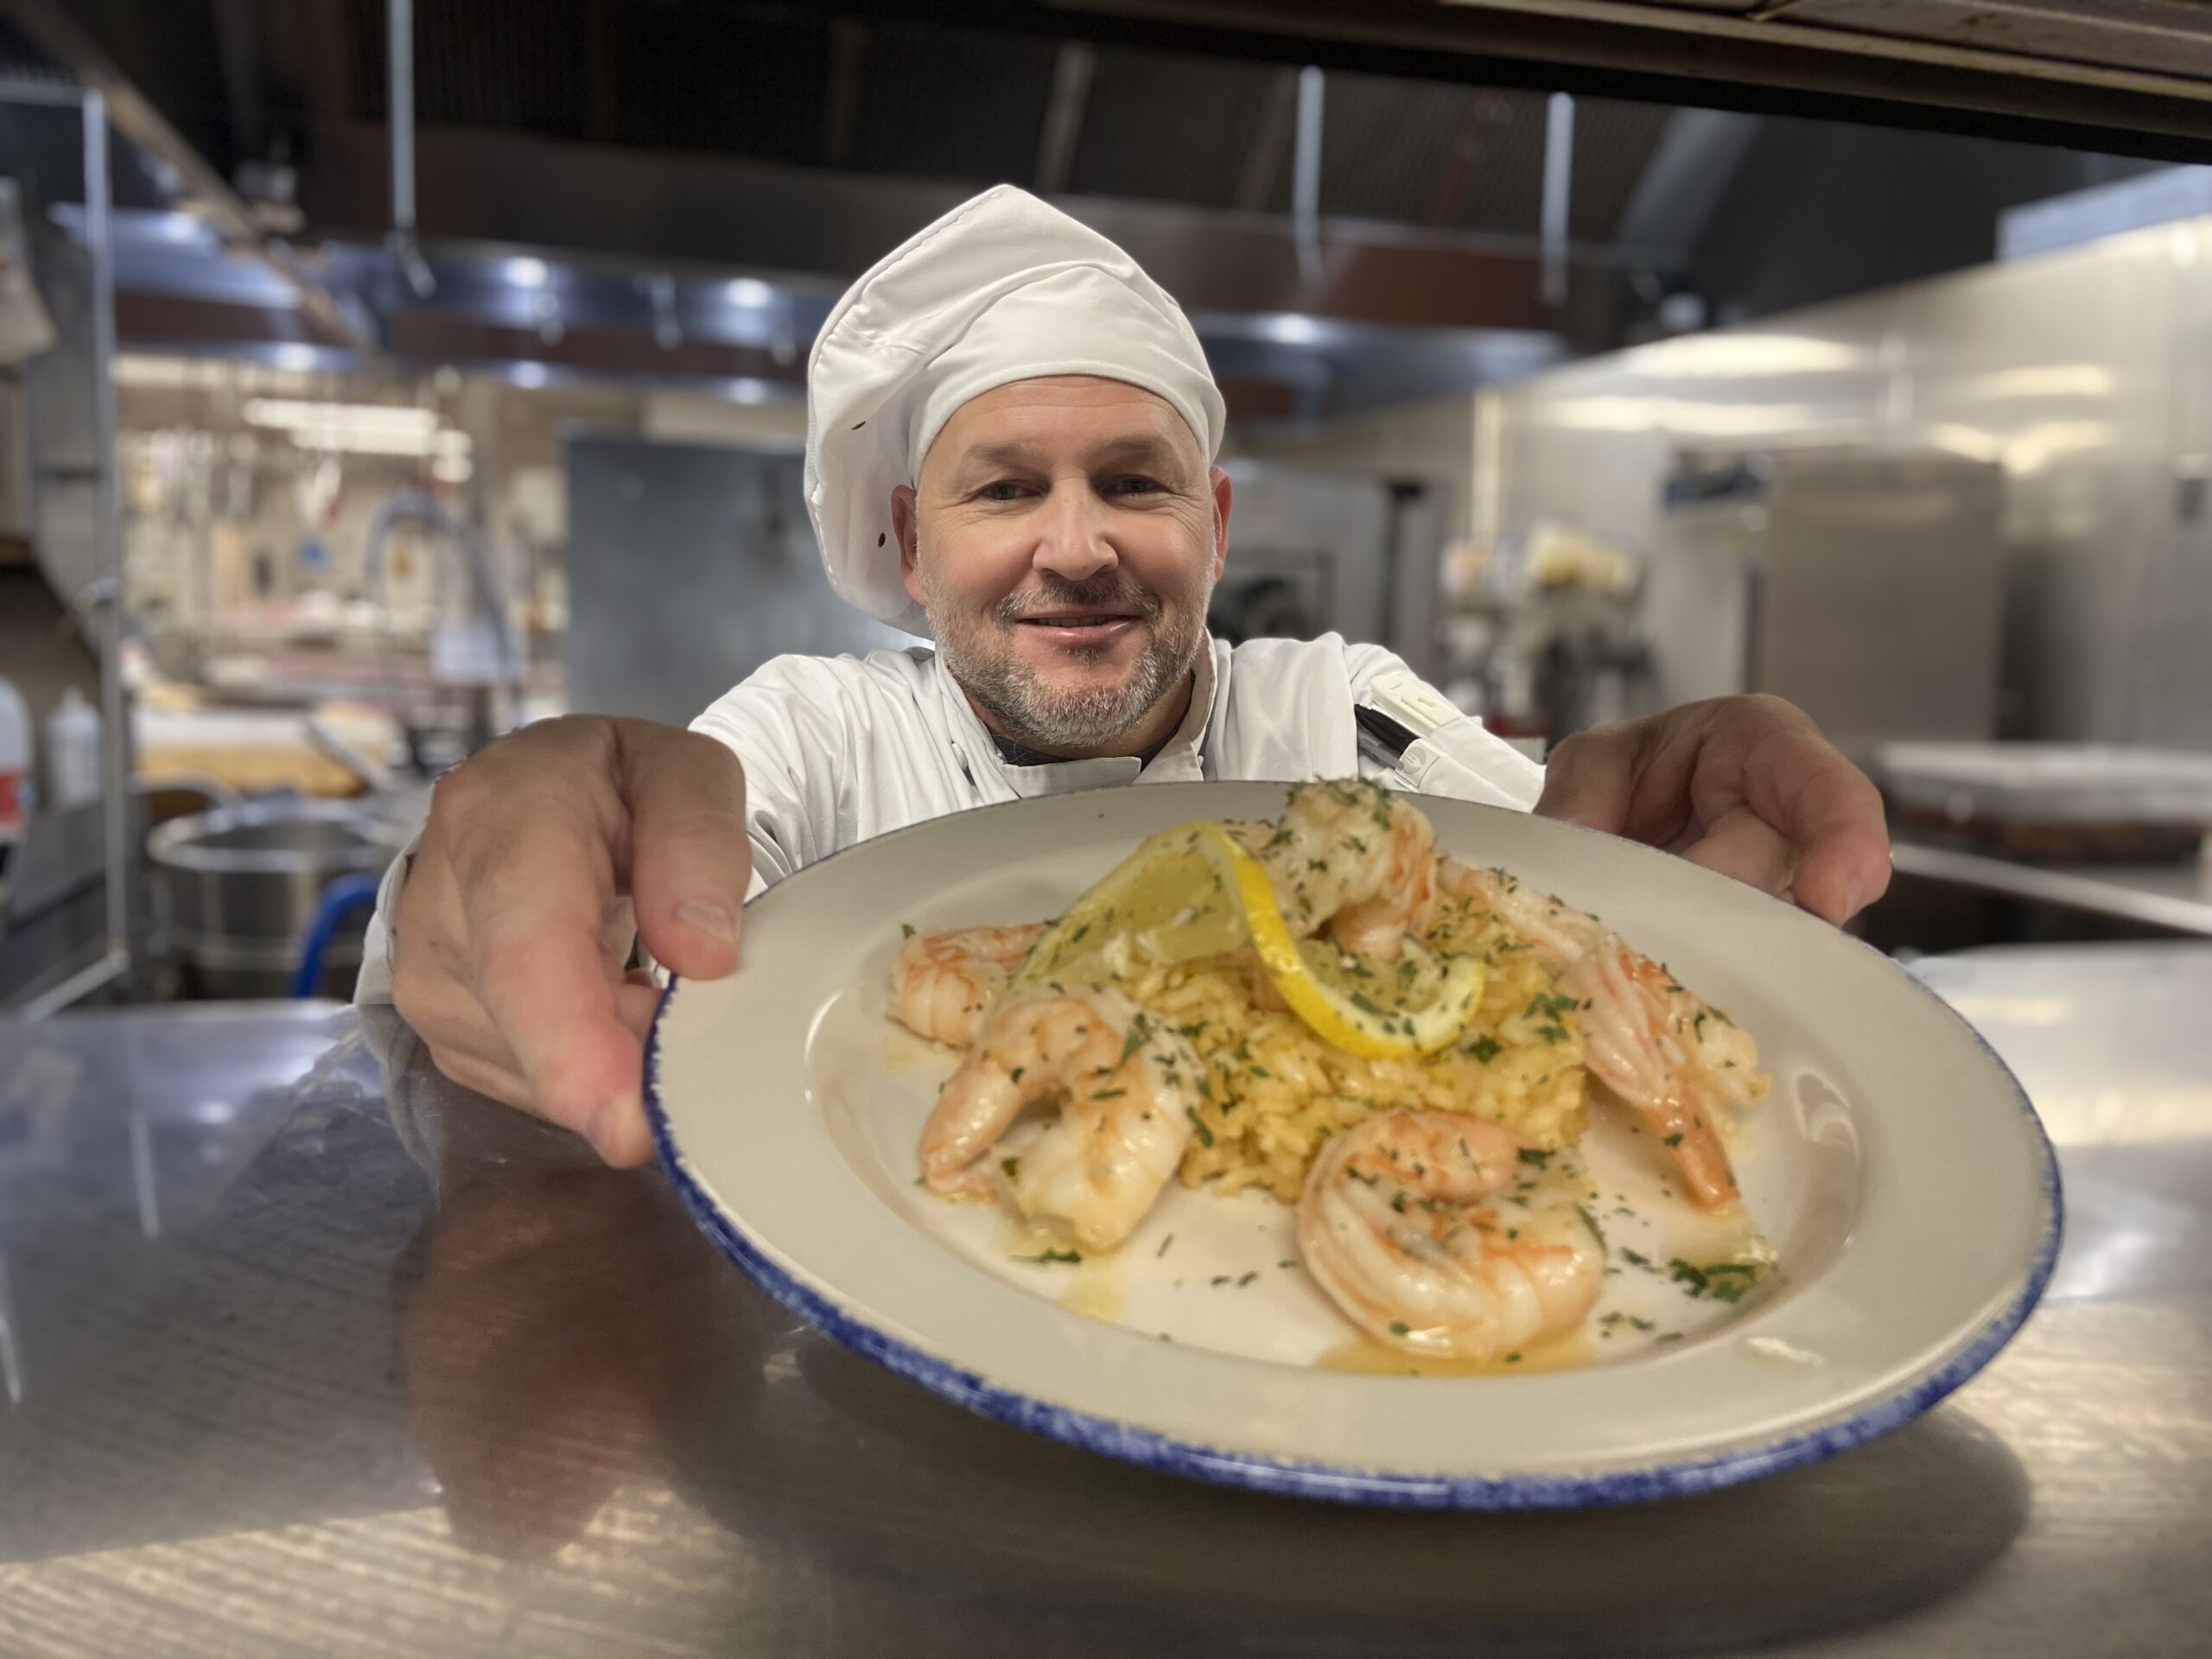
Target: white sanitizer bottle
pixel 72 751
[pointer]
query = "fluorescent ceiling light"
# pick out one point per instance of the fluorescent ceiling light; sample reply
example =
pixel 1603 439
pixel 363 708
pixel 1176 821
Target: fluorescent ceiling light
pixel 1291 329
pixel 1686 417
pixel 362 429
pixel 2045 380
pixel 291 412
pixel 2049 441
pixel 359 441
pixel 1729 357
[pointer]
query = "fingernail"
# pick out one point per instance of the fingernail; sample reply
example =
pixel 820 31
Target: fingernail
pixel 713 919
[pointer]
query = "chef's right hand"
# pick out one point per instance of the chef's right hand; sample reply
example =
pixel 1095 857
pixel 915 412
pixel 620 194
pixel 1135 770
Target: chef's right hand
pixel 511 935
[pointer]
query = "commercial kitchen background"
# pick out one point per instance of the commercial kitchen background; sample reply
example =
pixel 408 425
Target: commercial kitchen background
pixel 438 390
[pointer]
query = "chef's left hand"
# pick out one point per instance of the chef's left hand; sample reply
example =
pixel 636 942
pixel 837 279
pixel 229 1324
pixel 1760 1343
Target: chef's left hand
pixel 1743 785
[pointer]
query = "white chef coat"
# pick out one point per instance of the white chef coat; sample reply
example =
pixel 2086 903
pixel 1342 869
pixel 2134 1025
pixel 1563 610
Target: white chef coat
pixel 838 750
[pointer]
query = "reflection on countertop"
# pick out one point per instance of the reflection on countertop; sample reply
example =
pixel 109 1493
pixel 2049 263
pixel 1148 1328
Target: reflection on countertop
pixel 2177 896
pixel 504 1400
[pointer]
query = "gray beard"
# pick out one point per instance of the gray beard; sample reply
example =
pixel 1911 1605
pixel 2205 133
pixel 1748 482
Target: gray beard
pixel 1033 715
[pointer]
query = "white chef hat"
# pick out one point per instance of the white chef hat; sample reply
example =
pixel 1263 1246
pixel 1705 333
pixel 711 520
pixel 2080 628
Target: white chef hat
pixel 1003 288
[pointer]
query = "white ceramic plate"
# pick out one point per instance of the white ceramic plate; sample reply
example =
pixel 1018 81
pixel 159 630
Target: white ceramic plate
pixel 1898 1172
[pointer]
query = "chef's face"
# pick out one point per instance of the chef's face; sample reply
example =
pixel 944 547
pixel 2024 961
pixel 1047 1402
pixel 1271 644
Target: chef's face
pixel 1065 537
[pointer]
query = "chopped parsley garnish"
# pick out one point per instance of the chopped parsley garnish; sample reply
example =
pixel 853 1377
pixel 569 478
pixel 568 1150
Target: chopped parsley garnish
pixel 1205 1134
pixel 1248 1278
pixel 1012 1166
pixel 1053 1255
pixel 1675 1139
pixel 1164 1243
pixel 906 929
pixel 1724 1281
pixel 1534 1155
pixel 1140 1034
pixel 1398 1327
pixel 1485 1048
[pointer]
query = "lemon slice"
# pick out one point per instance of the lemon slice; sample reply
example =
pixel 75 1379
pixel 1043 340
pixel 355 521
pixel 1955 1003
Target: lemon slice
pixel 1175 899
pixel 1377 1010
pixel 1192 892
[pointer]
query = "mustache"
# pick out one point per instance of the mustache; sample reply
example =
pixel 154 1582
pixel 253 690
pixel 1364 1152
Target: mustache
pixel 1107 590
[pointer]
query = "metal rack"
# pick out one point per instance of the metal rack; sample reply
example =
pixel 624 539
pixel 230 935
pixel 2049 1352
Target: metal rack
pixel 101 598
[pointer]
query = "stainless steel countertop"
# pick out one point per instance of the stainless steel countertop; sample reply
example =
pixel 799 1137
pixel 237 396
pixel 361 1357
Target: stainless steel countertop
pixel 273 1389
pixel 2178 896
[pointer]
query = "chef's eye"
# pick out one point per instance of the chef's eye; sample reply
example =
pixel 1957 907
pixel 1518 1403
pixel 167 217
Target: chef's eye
pixel 1135 485
pixel 1005 489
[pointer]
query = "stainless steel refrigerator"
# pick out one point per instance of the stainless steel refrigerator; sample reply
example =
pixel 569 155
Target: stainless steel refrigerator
pixel 1864 586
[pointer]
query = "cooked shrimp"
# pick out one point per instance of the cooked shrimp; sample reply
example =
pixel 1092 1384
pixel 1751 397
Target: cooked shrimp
pixel 943 983
pixel 1355 858
pixel 1670 1056
pixel 1130 1096
pixel 1661 1049
pixel 1445 1235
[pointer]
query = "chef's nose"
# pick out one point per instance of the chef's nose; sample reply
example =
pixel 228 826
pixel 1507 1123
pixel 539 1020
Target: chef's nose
pixel 1072 535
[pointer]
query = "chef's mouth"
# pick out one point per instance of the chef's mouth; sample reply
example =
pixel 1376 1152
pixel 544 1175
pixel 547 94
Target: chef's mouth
pixel 1080 623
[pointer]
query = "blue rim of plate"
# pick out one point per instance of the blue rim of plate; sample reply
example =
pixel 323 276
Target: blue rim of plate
pixel 1685 1477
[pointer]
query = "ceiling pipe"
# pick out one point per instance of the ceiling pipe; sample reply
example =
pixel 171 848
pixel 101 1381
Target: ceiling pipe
pixel 1073 70
pixel 1559 180
pixel 399 112
pixel 667 328
pixel 1305 176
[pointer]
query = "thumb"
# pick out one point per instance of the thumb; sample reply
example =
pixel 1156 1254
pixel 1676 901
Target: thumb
pixel 1591 779
pixel 689 860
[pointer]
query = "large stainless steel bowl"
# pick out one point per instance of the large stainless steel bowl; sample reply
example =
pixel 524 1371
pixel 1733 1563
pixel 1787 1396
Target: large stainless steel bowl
pixel 243 882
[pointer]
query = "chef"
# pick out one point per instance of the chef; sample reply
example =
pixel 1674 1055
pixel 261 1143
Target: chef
pixel 1011 432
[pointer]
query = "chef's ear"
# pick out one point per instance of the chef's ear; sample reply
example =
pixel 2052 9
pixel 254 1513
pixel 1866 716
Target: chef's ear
pixel 905 526
pixel 1221 492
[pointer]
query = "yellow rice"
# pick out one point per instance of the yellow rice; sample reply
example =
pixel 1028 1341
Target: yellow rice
pixel 1274 1090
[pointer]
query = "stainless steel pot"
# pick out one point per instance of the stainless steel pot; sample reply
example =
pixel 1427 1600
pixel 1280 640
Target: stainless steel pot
pixel 243 882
